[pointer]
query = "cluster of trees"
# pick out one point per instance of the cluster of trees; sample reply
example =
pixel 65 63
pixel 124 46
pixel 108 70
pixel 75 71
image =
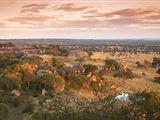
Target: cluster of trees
pixel 115 68
pixel 54 50
pixel 157 79
pixel 8 60
pixel 156 64
pixel 56 105
pixel 121 50
pixel 138 106
pixel 14 76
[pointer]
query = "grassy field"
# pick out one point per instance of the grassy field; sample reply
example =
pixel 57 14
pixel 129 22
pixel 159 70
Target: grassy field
pixel 142 82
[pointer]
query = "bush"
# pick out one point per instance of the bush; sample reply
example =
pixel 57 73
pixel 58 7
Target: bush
pixel 146 104
pixel 95 86
pixel 3 111
pixel 49 80
pixel 36 85
pixel 157 79
pixel 140 65
pixel 112 65
pixel 42 114
pixel 89 68
pixel 14 101
pixel 8 60
pixel 57 63
pixel 156 61
pixel 124 74
pixel 77 81
pixel 10 83
pixel 28 109
pixel 158 71
pixel 138 107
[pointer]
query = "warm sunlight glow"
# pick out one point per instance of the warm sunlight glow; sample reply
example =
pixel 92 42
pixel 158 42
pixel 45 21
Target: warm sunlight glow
pixel 79 19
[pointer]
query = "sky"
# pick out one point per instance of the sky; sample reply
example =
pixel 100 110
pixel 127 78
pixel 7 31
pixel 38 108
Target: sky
pixel 79 19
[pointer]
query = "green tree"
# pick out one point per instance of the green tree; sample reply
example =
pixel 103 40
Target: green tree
pixel 8 60
pixel 77 81
pixel 57 63
pixel 29 79
pixel 128 74
pixel 158 71
pixel 89 68
pixel 3 111
pixel 10 83
pixel 146 104
pixel 51 80
pixel 112 65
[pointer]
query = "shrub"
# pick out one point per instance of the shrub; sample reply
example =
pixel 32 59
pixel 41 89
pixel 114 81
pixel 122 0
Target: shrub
pixel 10 83
pixel 42 114
pixel 140 65
pixel 3 111
pixel 28 109
pixel 89 68
pixel 139 106
pixel 95 86
pixel 124 74
pixel 14 101
pixel 157 79
pixel 156 61
pixel 57 63
pixel 112 65
pixel 158 72
pixel 36 85
pixel 8 60
pixel 49 81
pixel 146 104
pixel 77 81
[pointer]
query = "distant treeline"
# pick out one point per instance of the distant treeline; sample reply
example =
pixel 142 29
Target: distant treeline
pixel 132 42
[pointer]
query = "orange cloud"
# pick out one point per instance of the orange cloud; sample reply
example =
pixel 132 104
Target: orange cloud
pixel 90 17
pixel 154 17
pixel 129 12
pixel 128 16
pixel 71 7
pixel 89 23
pixel 30 19
pixel 33 8
pixel 2 24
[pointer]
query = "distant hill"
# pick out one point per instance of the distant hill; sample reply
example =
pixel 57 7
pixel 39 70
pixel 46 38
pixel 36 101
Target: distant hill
pixel 84 41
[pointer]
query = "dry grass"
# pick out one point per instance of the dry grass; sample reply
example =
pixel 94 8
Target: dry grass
pixel 142 82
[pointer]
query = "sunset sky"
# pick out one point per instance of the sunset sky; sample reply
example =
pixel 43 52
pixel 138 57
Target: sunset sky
pixel 86 19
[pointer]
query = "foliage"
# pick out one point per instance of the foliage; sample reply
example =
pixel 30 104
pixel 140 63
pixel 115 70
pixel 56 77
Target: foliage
pixel 158 71
pixel 61 107
pixel 69 105
pixel 124 74
pixel 28 109
pixel 14 101
pixel 77 81
pixel 140 65
pixel 112 65
pixel 28 79
pixel 57 63
pixel 33 59
pixel 10 83
pixel 146 104
pixel 49 80
pixel 157 79
pixel 89 68
pixel 1 74
pixel 95 86
pixel 8 60
pixel 3 111
pixel 156 61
